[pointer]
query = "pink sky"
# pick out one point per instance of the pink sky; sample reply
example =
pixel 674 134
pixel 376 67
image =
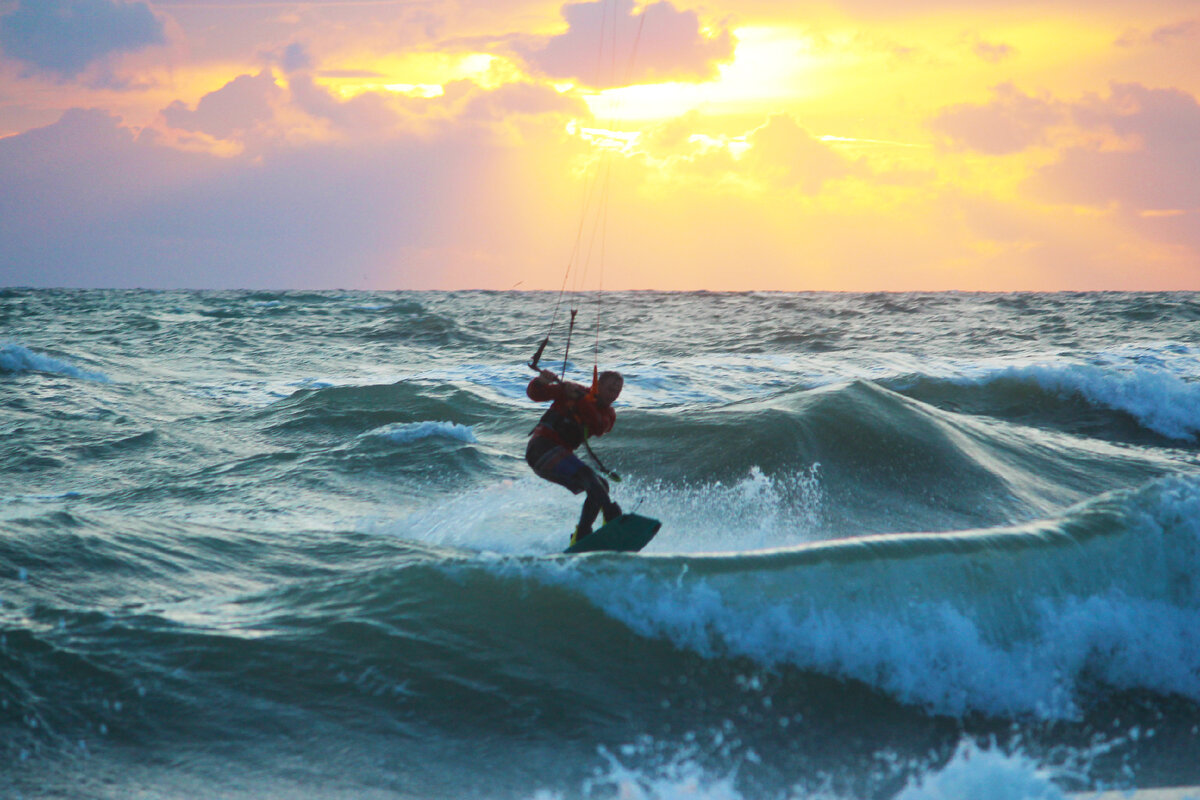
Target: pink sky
pixel 845 145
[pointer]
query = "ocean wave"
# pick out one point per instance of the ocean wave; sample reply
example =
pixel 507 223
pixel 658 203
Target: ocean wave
pixel 1155 388
pixel 1157 399
pixel 1004 622
pixel 410 322
pixel 1022 621
pixel 16 359
pixel 368 407
pixel 888 461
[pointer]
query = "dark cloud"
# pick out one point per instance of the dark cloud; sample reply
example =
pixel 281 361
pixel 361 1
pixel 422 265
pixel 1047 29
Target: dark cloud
pixel 295 58
pixel 670 45
pixel 65 37
pixel 69 191
pixel 88 203
pixel 1011 122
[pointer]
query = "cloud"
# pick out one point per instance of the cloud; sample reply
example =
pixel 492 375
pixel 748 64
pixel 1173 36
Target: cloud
pixel 670 45
pixel 69 188
pixel 382 115
pixel 65 37
pixel 1137 148
pixel 1155 168
pixel 294 58
pixel 1162 36
pixel 1011 122
pixel 237 107
pixel 522 99
pixel 889 9
pixel 789 155
pixel 993 52
pixel 1132 155
pixel 89 201
pixel 367 114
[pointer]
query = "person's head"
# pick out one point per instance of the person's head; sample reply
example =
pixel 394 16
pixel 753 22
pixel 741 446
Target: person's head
pixel 609 387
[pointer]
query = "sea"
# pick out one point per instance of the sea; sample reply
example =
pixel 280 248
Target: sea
pixel 922 546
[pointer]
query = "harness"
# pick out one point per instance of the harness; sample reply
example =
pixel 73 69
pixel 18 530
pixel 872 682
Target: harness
pixel 569 433
pixel 566 431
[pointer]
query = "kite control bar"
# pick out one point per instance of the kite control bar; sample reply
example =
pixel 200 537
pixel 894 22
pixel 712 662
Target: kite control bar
pixel 537 356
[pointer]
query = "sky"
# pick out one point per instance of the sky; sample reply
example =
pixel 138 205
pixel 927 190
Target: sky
pixel 849 145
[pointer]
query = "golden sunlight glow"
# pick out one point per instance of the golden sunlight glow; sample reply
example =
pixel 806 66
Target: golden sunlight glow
pixel 772 69
pixel 735 145
pixel 419 74
pixel 600 137
pixel 409 89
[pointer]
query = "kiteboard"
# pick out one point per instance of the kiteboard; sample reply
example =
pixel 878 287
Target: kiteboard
pixel 627 533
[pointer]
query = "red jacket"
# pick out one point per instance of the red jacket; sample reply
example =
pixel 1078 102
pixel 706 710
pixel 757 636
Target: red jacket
pixel 572 411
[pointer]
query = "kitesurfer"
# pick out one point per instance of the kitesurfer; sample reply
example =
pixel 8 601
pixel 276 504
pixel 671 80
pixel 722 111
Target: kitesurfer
pixel 575 414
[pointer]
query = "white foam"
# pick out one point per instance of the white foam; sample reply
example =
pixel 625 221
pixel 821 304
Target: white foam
pixel 974 772
pixel 929 655
pixel 681 778
pixel 984 774
pixel 15 358
pixel 405 432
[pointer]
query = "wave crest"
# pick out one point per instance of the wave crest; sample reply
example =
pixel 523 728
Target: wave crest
pixel 1006 621
pixel 16 359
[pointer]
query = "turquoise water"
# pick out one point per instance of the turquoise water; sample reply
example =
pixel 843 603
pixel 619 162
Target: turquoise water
pixel 285 544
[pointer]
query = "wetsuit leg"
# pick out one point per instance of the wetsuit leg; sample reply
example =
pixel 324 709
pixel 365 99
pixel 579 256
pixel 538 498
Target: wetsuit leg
pixel 597 499
pixel 557 464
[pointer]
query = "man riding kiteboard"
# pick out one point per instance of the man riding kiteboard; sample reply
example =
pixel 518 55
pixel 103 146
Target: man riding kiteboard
pixel 575 414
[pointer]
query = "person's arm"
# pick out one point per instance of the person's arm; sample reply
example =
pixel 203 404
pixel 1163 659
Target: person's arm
pixel 544 387
pixel 547 386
